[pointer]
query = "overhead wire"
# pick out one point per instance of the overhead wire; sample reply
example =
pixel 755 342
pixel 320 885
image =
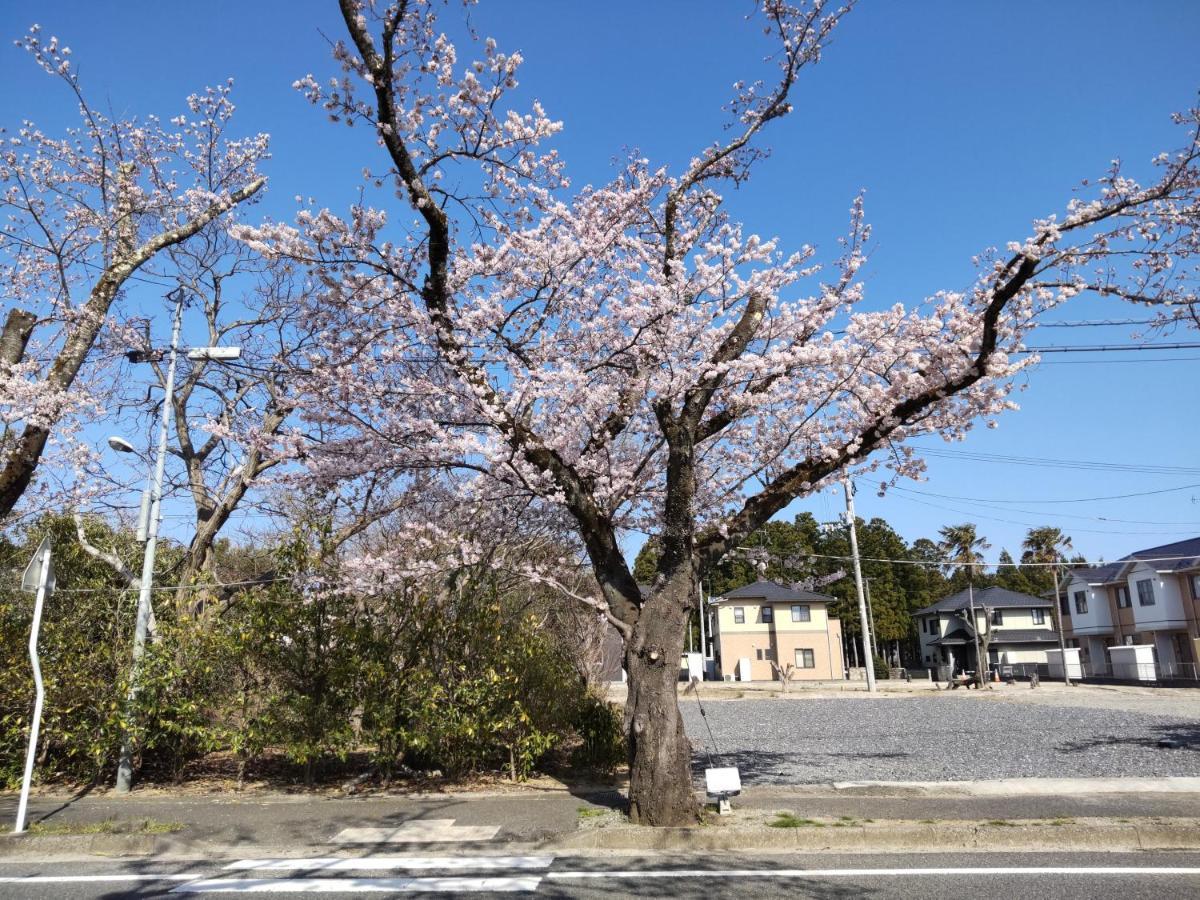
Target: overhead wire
pixel 1049 462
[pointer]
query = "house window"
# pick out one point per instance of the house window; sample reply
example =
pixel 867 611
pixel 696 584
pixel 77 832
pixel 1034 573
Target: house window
pixel 1064 605
pixel 1194 581
pixel 801 614
pixel 1123 597
pixel 767 614
pixel 1145 592
pixel 924 626
pixel 768 654
pixel 739 615
pixel 997 617
pixel 1039 617
pixel 804 659
pixel 1081 602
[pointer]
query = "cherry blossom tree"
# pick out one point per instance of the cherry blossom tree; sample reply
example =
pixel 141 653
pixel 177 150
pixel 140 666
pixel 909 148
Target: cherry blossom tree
pixel 630 357
pixel 83 215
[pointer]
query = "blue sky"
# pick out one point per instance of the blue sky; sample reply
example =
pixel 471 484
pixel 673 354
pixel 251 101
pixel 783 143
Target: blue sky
pixel 962 120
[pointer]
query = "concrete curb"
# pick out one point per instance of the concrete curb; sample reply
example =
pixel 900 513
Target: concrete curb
pixel 876 837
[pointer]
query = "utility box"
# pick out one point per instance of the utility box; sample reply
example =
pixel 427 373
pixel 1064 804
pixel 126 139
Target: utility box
pixel 1133 661
pixel 1054 658
pixel 695 667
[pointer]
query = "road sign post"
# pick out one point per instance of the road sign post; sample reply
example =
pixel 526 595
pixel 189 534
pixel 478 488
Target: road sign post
pixel 38 578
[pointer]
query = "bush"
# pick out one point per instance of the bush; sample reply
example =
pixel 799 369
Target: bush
pixel 882 669
pixel 452 675
pixel 602 735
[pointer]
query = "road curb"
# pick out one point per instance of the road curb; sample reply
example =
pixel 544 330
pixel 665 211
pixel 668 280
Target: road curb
pixel 894 837
pixel 876 837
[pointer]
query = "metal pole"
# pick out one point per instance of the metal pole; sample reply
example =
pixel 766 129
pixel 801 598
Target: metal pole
pixel 1058 619
pixel 703 639
pixel 125 764
pixel 35 723
pixel 858 584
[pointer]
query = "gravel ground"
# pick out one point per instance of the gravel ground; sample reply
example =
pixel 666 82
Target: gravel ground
pixel 938 738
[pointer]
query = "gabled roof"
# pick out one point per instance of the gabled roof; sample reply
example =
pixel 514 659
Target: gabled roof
pixel 994 597
pixel 960 632
pixel 1175 557
pixel 773 592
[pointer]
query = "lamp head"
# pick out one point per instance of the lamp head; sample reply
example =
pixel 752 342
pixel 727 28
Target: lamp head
pixel 120 445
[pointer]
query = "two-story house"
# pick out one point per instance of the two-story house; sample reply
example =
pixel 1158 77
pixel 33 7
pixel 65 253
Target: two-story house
pixel 1150 597
pixel 1022 628
pixel 767 623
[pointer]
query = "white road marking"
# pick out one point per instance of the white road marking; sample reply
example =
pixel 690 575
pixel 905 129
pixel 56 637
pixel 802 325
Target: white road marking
pixel 868 873
pixel 358 885
pixel 84 879
pixel 374 863
pixel 417 831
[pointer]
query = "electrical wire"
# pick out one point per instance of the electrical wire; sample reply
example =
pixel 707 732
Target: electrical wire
pixel 979 456
pixel 1114 348
pixel 978 515
pixel 1182 487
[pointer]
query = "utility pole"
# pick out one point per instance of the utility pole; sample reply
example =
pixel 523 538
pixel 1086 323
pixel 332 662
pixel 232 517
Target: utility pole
pixel 858 584
pixel 975 633
pixel 871 616
pixel 154 491
pixel 1058 619
pixel 703 640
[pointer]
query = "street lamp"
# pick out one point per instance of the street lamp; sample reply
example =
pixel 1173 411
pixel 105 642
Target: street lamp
pixel 150 515
pixel 120 444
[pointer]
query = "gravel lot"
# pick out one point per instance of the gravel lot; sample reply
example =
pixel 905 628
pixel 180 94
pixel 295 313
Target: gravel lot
pixel 939 738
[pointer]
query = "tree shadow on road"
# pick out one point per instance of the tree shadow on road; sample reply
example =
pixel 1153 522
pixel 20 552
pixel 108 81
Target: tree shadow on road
pixel 1183 737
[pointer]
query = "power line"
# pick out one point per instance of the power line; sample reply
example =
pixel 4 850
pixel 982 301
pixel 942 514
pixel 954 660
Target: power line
pixel 978 515
pixel 1094 323
pixel 1047 462
pixel 939 564
pixel 1061 515
pixel 1116 362
pixel 1114 348
pixel 1182 487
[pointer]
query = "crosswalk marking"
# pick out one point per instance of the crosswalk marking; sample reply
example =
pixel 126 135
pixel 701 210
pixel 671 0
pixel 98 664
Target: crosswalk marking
pixel 524 883
pixel 417 831
pixel 377 863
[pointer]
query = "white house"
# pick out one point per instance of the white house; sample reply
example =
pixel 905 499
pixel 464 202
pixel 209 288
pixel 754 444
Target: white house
pixel 1022 628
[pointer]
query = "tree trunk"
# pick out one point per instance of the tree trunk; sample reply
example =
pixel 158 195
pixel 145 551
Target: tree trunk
pixel 660 756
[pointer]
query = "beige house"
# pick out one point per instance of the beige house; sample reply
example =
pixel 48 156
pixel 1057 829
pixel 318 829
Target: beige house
pixel 767 623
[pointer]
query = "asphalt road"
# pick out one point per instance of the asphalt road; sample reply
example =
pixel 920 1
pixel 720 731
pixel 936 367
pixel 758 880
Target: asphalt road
pixel 826 876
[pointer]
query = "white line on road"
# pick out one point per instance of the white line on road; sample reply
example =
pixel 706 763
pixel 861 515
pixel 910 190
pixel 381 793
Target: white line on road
pixel 373 863
pixel 417 831
pixel 358 885
pixel 869 873
pixel 84 879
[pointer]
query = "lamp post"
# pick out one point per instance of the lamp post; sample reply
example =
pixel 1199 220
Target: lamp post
pixel 150 517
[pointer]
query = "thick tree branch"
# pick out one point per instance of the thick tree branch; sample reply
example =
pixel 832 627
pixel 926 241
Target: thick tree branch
pixel 23 459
